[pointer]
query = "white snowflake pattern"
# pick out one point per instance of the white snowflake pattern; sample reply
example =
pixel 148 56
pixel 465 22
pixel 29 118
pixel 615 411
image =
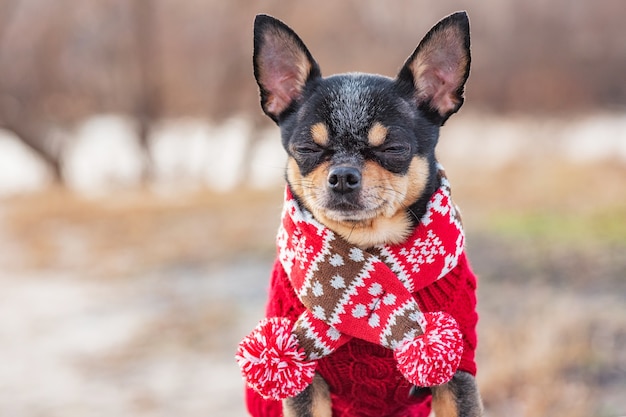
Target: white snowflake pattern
pixel 301 250
pixel 389 299
pixel 375 289
pixel 440 203
pixel 452 259
pixel 374 320
pixel 285 254
pixel 356 255
pixel 359 311
pixel 318 289
pixel 319 312
pixel 424 251
pixel 338 282
pixel 333 334
pixel 336 260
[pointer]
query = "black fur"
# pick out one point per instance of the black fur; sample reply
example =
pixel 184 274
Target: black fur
pixel 463 386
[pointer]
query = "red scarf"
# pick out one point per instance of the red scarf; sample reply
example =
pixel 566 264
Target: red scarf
pixel 350 292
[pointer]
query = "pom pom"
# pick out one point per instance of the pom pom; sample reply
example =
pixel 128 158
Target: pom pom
pixel 271 361
pixel 433 357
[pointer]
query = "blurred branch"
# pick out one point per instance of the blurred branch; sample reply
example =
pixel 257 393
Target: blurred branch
pixel 7 9
pixel 31 137
pixel 21 109
pixel 147 104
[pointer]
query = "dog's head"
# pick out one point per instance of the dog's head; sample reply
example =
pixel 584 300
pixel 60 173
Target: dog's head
pixel 361 146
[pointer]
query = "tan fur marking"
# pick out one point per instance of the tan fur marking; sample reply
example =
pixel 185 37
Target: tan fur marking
pixel 374 232
pixel 444 402
pixel 295 178
pixel 319 134
pixel 288 410
pixel 377 134
pixel 322 406
pixel 417 177
pixel 384 195
pixel 309 189
pixel 317 402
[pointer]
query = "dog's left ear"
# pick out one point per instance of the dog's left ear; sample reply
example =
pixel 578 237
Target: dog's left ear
pixel 438 69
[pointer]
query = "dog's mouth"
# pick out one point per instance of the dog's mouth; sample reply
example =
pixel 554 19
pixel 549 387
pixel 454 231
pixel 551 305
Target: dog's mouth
pixel 345 210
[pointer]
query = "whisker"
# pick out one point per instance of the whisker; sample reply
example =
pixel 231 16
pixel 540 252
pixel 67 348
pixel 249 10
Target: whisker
pixel 391 192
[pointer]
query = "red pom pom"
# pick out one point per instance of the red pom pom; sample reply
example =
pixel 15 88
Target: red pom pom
pixel 271 361
pixel 433 357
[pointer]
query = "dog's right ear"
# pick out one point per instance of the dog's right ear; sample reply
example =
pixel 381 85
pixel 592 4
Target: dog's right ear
pixel 439 67
pixel 282 66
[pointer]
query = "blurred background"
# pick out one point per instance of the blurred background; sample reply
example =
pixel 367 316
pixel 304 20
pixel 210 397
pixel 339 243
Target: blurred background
pixel 141 186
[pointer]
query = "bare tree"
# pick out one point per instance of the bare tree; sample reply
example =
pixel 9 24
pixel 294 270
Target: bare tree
pixel 21 106
pixel 148 101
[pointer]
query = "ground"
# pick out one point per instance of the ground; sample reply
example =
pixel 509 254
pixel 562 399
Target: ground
pixel 132 305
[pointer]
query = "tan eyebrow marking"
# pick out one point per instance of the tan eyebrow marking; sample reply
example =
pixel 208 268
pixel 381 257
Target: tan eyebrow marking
pixel 377 134
pixel 319 133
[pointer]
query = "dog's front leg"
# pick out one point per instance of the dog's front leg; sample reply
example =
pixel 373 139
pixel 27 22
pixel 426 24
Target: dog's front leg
pixel 314 401
pixel 458 398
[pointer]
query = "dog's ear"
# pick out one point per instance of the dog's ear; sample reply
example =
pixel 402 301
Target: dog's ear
pixel 282 65
pixel 438 69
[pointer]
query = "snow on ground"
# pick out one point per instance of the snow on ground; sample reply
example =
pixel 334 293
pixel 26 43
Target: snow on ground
pixel 268 161
pixel 596 138
pixel 161 343
pixel 45 323
pixel 180 151
pixel 20 169
pixel 488 142
pixel 104 154
pixel 190 152
pixel 73 346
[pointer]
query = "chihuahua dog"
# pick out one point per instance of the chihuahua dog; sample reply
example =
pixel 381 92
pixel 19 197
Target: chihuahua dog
pixel 361 159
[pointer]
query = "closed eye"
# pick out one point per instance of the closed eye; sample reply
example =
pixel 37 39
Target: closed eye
pixel 306 149
pixel 395 149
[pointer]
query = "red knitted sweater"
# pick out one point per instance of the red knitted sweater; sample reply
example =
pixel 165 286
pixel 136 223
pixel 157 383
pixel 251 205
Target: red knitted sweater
pixel 362 376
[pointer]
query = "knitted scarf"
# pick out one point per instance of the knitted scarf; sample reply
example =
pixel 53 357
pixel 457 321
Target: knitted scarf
pixel 351 292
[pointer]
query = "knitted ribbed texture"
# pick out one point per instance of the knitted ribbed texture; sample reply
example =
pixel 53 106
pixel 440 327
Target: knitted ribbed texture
pixel 456 295
pixel 363 377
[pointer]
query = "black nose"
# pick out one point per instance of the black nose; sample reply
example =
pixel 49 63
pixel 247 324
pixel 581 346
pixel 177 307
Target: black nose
pixel 344 179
